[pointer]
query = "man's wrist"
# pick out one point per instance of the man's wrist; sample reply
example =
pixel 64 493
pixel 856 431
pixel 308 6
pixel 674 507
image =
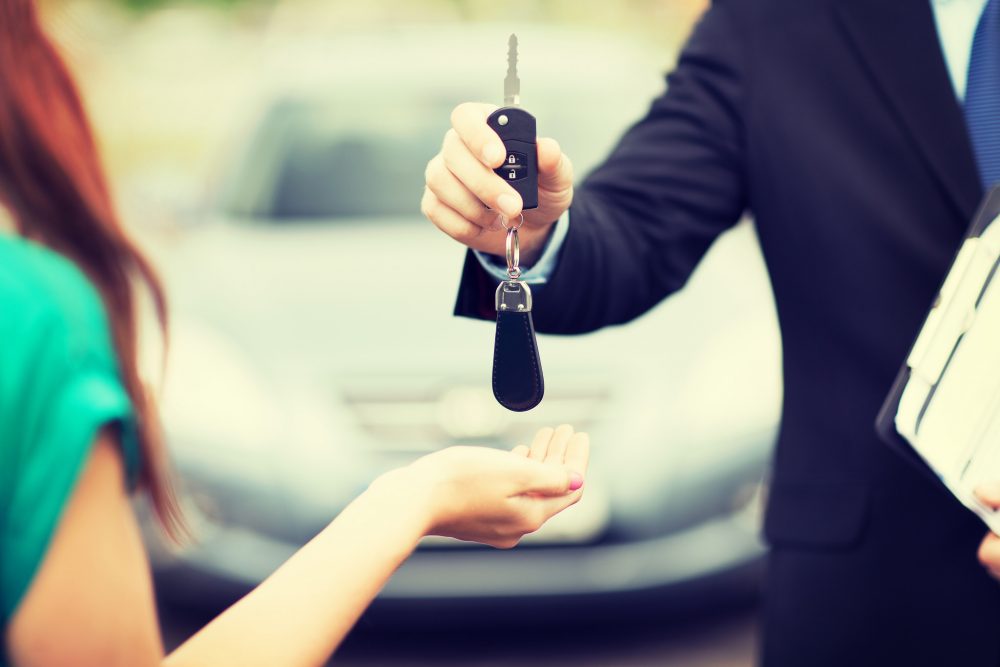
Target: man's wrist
pixel 532 242
pixel 540 268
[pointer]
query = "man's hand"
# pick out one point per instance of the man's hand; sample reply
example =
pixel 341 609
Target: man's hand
pixel 461 185
pixel 989 549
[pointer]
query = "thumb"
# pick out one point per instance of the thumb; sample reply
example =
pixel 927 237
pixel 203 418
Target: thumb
pixel 989 494
pixel 550 480
pixel 555 171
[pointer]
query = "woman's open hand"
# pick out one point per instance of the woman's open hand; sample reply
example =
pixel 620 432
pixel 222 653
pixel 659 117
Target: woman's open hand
pixel 496 497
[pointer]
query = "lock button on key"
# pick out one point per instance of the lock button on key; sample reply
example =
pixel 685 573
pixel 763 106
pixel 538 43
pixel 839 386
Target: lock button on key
pixel 515 159
pixel 515 166
pixel 514 172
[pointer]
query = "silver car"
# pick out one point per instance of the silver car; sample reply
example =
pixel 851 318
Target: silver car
pixel 313 344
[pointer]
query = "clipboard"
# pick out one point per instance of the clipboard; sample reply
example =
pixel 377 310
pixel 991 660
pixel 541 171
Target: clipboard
pixel 942 413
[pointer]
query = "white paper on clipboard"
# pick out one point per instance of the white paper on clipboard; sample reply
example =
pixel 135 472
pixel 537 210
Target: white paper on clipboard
pixel 949 410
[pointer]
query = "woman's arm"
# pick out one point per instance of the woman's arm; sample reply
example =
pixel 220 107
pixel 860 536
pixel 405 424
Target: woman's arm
pixel 91 602
pixel 299 614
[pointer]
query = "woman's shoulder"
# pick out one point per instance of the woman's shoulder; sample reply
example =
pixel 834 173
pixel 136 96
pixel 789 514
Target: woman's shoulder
pixel 58 364
pixel 46 300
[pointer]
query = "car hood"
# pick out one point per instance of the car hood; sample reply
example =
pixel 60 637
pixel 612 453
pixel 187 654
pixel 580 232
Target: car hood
pixel 366 297
pixel 343 299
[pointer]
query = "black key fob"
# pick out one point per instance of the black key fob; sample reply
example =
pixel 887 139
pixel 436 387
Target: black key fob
pixel 517 130
pixel 518 383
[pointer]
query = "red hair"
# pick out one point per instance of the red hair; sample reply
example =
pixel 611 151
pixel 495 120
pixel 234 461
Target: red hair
pixel 52 182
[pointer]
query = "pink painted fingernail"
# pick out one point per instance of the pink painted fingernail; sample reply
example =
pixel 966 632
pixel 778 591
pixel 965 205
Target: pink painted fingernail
pixel 575 481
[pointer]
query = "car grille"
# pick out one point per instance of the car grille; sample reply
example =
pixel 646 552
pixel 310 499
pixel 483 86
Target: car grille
pixel 416 416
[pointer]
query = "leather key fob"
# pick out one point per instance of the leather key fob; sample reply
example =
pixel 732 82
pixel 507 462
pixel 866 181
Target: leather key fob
pixel 518 384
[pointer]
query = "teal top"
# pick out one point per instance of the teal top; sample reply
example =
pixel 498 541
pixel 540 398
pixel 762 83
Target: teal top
pixel 59 385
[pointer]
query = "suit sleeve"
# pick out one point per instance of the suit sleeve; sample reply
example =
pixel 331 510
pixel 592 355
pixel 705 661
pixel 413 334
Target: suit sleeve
pixel 640 222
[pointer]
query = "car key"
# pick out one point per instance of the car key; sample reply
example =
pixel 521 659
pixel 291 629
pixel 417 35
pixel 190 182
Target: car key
pixel 518 383
pixel 516 128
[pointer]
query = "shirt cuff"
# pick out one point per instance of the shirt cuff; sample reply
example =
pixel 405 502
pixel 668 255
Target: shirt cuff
pixel 542 270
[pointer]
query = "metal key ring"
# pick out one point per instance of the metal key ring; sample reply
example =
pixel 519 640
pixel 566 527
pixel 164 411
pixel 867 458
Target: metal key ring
pixel 503 222
pixel 513 254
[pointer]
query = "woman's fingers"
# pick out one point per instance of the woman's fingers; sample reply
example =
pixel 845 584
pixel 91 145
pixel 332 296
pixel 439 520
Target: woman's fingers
pixel 552 505
pixel 578 453
pixel 548 479
pixel 521 450
pixel 557 444
pixel 563 453
pixel 576 460
pixel 540 445
pixel 564 449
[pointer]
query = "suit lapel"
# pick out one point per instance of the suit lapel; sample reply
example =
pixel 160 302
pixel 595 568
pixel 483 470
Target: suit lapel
pixel 898 42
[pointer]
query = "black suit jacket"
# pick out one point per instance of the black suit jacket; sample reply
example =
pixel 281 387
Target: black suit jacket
pixel 835 123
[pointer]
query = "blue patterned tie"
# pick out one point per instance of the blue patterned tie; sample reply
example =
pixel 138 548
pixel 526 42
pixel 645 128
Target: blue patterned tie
pixel 982 95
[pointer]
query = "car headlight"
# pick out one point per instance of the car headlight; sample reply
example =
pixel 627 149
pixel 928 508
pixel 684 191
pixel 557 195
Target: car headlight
pixel 696 445
pixel 212 394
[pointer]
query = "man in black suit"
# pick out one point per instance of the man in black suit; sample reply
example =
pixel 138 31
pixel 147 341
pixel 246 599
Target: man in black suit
pixel 858 133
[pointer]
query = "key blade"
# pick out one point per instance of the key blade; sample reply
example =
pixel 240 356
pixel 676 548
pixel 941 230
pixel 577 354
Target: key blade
pixel 511 84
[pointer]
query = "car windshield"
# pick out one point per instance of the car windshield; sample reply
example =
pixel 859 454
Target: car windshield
pixel 316 161
pixel 321 159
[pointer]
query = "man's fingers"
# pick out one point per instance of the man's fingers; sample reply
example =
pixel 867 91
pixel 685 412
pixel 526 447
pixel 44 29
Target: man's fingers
pixel 555 171
pixel 469 121
pixel 555 175
pixel 478 178
pixel 452 193
pixel 521 450
pixel 989 494
pixel 989 552
pixel 448 220
pixel 461 178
